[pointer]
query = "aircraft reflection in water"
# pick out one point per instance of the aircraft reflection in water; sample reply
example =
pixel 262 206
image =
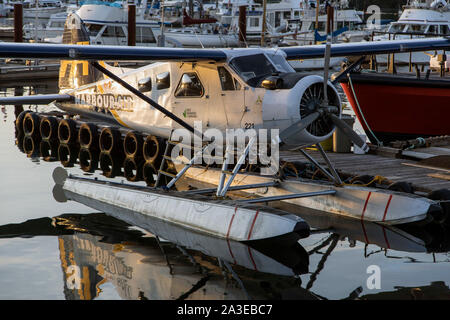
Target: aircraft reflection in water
pixel 95 248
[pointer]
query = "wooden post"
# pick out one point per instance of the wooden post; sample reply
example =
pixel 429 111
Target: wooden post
pixel 330 20
pixel 18 22
pixel 242 25
pixel 317 14
pixel 131 24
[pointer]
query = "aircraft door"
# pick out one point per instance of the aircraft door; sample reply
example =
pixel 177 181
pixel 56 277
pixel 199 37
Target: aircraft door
pixel 214 115
pixel 232 96
pixel 190 98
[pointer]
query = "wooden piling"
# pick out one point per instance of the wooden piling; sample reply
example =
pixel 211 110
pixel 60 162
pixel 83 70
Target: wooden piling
pixel 330 19
pixel 131 24
pixel 242 25
pixel 18 22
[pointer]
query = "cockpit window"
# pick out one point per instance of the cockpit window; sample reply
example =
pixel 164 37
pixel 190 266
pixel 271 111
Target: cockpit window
pixel 253 68
pixel 280 63
pixel 189 86
pixel 226 79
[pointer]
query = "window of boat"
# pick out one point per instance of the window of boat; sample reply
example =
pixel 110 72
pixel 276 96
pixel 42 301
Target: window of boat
pixel 432 29
pixel 254 22
pixel 287 15
pixel 396 27
pixel 94 29
pixel 445 29
pixel 114 32
pixel 226 79
pixel 321 26
pixel 252 68
pixel 419 28
pixel 189 86
pixel 145 35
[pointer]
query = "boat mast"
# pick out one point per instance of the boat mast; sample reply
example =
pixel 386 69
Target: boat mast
pixel 263 31
pixel 36 22
pixel 317 17
pixel 162 41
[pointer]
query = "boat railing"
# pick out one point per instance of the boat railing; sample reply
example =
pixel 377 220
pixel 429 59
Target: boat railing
pixel 393 36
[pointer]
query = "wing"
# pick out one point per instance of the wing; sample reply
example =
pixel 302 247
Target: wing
pixel 38 99
pixel 116 53
pixel 367 48
pixel 124 53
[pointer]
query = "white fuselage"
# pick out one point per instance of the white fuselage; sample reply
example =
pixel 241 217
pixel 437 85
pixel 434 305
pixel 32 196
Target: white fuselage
pixel 217 94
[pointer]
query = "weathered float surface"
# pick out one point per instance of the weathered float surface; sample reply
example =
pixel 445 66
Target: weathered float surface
pixel 370 204
pixel 225 219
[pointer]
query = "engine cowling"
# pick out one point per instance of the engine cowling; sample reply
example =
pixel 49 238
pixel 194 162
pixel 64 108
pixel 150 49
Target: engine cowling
pixel 304 97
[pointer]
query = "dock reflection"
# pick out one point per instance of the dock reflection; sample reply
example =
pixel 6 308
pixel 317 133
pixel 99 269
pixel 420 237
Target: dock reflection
pixel 96 248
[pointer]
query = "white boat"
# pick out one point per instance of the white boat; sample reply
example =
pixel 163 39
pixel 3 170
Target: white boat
pixel 197 37
pixel 419 19
pixel 6 9
pixel 302 19
pixel 52 29
pixel 107 24
pixel 43 9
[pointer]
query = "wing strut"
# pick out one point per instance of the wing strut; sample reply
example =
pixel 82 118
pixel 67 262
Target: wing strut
pixel 145 98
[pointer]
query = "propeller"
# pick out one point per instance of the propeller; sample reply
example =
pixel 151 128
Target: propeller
pixel 288 135
pixel 348 131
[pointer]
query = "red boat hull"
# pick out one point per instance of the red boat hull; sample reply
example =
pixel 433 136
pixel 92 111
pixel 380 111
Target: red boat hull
pixel 399 109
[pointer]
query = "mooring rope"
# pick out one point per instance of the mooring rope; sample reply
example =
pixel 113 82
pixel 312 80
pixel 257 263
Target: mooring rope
pixel 360 111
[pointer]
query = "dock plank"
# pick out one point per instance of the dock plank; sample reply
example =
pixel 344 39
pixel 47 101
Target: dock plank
pixel 393 169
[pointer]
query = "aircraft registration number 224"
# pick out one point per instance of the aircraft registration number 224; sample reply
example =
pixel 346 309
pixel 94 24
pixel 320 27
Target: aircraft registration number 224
pixel 107 101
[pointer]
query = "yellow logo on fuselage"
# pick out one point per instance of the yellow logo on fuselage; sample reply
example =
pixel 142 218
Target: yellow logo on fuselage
pixel 106 101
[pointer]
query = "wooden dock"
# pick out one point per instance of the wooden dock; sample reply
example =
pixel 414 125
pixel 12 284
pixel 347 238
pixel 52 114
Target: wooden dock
pixel 423 174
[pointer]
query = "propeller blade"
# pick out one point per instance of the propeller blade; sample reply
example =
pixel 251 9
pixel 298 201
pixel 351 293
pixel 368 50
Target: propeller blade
pixel 348 131
pixel 297 127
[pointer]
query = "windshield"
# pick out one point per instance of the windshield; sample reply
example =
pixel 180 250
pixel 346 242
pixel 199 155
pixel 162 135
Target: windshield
pixel 397 27
pixel 253 68
pixel 280 63
pixel 416 28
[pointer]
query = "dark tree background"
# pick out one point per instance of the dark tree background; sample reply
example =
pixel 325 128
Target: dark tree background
pixel 389 8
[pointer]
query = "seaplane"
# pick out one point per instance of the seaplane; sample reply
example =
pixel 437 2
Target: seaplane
pixel 244 88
